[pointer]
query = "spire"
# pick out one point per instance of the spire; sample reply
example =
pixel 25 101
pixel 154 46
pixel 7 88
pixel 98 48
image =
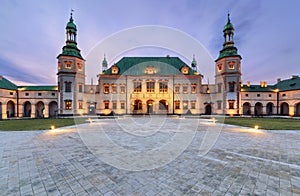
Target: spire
pixel 70 49
pixel 228 46
pixel 194 62
pixel 104 64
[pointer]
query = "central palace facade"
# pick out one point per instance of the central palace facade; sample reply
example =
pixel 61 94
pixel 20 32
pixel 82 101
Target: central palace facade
pixel 149 85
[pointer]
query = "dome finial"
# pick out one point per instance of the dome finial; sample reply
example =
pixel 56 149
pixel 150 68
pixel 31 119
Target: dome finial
pixel 228 17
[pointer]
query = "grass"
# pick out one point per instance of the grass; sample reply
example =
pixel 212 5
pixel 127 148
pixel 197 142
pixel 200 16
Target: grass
pixel 265 123
pixel 44 124
pixel 37 124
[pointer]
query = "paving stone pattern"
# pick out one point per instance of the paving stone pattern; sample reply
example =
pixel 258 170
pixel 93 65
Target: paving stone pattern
pixel 240 163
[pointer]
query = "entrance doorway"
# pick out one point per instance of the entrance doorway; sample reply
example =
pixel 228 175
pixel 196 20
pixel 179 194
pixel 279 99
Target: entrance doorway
pixel 208 109
pixel 150 106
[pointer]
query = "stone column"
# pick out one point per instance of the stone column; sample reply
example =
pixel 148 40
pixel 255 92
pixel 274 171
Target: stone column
pixel 33 108
pixel 4 111
pixel 46 110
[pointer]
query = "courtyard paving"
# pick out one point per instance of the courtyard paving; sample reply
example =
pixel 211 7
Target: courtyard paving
pixel 242 161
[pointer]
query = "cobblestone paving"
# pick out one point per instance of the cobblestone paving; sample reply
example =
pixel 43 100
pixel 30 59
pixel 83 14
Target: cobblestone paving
pixel 242 162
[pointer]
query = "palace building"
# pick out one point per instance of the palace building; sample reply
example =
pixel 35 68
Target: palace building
pixel 149 85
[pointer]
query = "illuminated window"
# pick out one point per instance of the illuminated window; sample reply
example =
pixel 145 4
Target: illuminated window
pixel 185 104
pixel 114 106
pixel 68 104
pixel 220 67
pixel 114 88
pixel 163 87
pixel 68 64
pixel 138 105
pixel 68 87
pixel 80 105
pixel 122 105
pixel 193 105
pixel 122 89
pixel 106 88
pixel 137 86
pixel 185 89
pixel 231 104
pixel 185 70
pixel 58 66
pixel 194 88
pixel 106 104
pixel 231 65
pixel 177 89
pixel 79 66
pixel 150 87
pixel 177 105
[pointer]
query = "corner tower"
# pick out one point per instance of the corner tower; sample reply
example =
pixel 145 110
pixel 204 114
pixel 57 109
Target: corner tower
pixel 228 73
pixel 71 74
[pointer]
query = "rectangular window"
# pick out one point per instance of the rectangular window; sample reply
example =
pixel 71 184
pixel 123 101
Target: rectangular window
pixel 106 105
pixel 219 87
pixel 68 104
pixel 193 105
pixel 137 87
pixel 246 95
pixel 80 105
pixel 114 88
pixel 114 105
pixel 68 87
pixel 11 93
pixel 80 88
pixel 53 94
pixel 231 86
pixel 185 89
pixel 177 105
pixel 122 105
pixel 258 95
pixel 163 87
pixel 122 89
pixel 185 104
pixel 26 94
pixel 39 94
pixel 150 87
pixel 270 95
pixel 106 89
pixel 283 95
pixel 219 105
pixel 194 88
pixel 231 104
pixel 177 89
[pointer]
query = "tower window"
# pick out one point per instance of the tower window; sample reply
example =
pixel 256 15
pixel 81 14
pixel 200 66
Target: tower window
pixel 231 86
pixel 137 87
pixel 220 67
pixel 163 87
pixel 231 65
pixel 150 87
pixel 68 86
pixel 68 104
pixel 68 64
pixel 231 104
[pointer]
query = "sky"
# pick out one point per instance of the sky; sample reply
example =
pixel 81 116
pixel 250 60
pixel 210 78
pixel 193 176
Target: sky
pixel 266 33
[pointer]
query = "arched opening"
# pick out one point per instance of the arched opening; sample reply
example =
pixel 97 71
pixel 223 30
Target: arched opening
pixel 150 106
pixel 297 109
pixel 0 111
pixel 208 109
pixel 10 109
pixel 137 106
pixel 284 108
pixel 53 109
pixel 270 107
pixel 247 108
pixel 258 109
pixel 27 109
pixel 39 113
pixel 163 105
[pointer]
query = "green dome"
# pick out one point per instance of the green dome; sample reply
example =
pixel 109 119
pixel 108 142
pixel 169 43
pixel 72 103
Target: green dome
pixel 228 26
pixel 70 24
